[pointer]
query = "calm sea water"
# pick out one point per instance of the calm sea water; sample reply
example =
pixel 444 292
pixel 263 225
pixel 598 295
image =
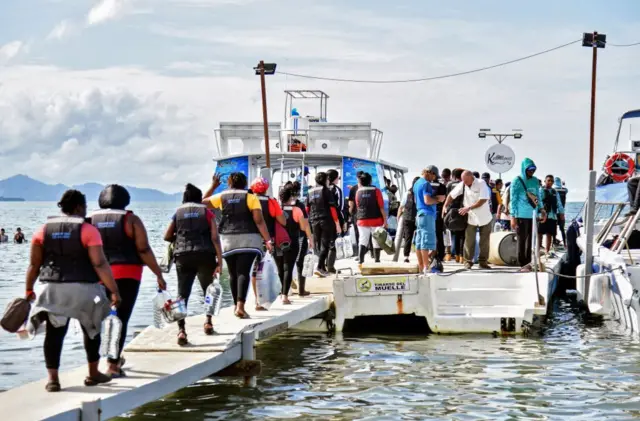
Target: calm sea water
pixel 576 369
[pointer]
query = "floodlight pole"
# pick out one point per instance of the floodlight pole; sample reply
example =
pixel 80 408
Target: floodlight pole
pixel 264 113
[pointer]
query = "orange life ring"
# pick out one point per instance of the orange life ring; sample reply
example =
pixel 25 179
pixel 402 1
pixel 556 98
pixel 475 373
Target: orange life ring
pixel 615 173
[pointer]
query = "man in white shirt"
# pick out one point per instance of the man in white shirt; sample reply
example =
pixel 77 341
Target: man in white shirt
pixel 476 205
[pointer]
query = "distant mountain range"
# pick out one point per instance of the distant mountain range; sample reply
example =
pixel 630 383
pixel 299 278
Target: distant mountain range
pixel 22 186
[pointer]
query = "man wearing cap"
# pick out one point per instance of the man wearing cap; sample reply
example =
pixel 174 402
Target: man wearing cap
pixel 440 193
pixel 425 238
pixel 524 198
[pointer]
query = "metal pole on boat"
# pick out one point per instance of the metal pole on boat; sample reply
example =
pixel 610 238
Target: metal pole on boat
pixel 594 41
pixel 589 221
pixel 265 69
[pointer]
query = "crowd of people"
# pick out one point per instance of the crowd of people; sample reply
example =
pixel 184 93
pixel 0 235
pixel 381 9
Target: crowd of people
pixel 90 263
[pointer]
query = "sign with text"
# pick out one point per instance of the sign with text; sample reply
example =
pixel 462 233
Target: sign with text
pixel 398 284
pixel 499 158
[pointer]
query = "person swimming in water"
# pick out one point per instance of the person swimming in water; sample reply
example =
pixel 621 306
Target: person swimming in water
pixel 18 237
pixel 3 236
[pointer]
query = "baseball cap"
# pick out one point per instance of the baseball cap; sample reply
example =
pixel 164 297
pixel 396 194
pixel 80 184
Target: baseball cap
pixel 433 169
pixel 532 168
pixel 486 175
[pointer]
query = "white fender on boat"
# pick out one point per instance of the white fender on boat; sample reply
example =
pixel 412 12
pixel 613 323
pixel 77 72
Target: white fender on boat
pixel 580 282
pixel 600 294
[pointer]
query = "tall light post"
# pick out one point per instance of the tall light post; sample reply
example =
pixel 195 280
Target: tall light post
pixel 263 69
pixel 595 41
pixel 500 137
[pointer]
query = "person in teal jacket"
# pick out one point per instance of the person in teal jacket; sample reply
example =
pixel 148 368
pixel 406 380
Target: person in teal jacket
pixel 524 198
pixel 552 204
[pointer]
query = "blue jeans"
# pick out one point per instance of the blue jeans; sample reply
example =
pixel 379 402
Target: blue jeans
pixel 425 238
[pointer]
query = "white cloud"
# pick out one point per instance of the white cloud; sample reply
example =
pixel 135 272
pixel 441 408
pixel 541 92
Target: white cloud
pixel 10 50
pixel 106 10
pixel 60 31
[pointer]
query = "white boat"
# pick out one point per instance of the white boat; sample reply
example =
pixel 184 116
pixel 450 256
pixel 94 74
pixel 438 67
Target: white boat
pixel 612 289
pixel 501 301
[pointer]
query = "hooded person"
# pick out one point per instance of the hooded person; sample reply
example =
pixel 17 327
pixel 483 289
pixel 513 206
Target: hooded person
pixel 559 187
pixel 524 198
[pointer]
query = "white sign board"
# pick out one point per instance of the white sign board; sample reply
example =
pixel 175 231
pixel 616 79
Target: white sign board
pixel 499 158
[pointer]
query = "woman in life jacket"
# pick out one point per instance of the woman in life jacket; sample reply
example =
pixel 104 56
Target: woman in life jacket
pixel 272 214
pixel 408 212
pixel 370 213
pixel 242 233
pixel 67 255
pixel 126 246
pixel 197 250
pixel 303 242
pixel 297 225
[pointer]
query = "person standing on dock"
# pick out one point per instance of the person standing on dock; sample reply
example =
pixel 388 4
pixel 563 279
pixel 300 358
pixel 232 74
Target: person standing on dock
pixel 323 213
pixel 408 212
pixel 440 194
pixel 126 247
pixel 242 232
pixel 197 250
pixel 524 199
pixel 554 210
pixel 352 208
pixel 425 238
pixel 67 255
pixel 334 179
pixel 559 186
pixel 475 193
pixel 304 241
pixel 457 248
pixel 371 215
pixel 297 225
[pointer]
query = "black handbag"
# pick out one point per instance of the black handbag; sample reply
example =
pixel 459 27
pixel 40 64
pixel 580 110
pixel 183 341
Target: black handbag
pixel 454 222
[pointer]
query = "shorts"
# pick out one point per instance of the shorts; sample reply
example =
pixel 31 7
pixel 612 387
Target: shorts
pixel 549 227
pixel 425 238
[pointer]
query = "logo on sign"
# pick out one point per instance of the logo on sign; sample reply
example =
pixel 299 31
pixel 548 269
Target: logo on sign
pixel 381 285
pixel 500 158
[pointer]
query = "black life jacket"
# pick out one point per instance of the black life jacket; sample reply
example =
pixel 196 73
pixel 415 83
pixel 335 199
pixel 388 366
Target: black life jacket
pixel 367 203
pixel 435 186
pixel 269 220
pixel 193 233
pixel 236 215
pixel 458 202
pixel 550 201
pixel 319 208
pixel 410 208
pixel 293 227
pixel 118 247
pixel 563 195
pixel 65 258
pixel 494 201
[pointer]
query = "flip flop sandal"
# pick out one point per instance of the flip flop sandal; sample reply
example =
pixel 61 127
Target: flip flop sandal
pixel 122 361
pixel 208 329
pixel 53 387
pixel 287 302
pixel 94 381
pixel 182 338
pixel 118 374
pixel 242 315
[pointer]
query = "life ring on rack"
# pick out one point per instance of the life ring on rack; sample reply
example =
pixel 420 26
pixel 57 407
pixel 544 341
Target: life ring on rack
pixel 615 167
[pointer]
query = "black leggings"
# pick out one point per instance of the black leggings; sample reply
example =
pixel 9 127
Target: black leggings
pixel 458 241
pixel 286 264
pixel 188 267
pixel 239 266
pixel 129 293
pixel 324 236
pixel 439 238
pixel 302 253
pixel 54 339
pixel 408 229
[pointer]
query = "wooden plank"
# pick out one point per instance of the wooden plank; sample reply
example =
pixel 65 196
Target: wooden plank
pixel 389 268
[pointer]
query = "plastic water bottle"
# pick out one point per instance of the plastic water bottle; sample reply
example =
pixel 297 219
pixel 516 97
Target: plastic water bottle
pixel 497 227
pixel 111 331
pixel 310 263
pixel 347 246
pixel 340 248
pixel 158 306
pixel 213 298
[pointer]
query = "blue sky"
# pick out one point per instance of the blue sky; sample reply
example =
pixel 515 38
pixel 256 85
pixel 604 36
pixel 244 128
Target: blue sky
pixel 130 91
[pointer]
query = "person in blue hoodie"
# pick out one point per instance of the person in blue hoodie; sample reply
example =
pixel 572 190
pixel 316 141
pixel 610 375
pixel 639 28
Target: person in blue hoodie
pixel 562 190
pixel 524 198
pixel 554 210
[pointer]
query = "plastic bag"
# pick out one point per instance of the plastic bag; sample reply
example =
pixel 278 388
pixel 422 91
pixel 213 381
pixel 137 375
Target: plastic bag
pixel 339 248
pixel 347 246
pixel 167 260
pixel 309 266
pixel 268 285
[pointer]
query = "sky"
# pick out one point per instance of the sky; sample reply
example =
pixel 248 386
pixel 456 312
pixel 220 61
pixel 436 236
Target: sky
pixel 130 91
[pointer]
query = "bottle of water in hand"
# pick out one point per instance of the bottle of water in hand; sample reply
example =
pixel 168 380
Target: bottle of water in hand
pixel 213 298
pixel 158 305
pixel 111 331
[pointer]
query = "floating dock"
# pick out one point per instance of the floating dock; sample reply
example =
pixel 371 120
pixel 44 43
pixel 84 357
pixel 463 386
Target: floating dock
pixel 156 366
